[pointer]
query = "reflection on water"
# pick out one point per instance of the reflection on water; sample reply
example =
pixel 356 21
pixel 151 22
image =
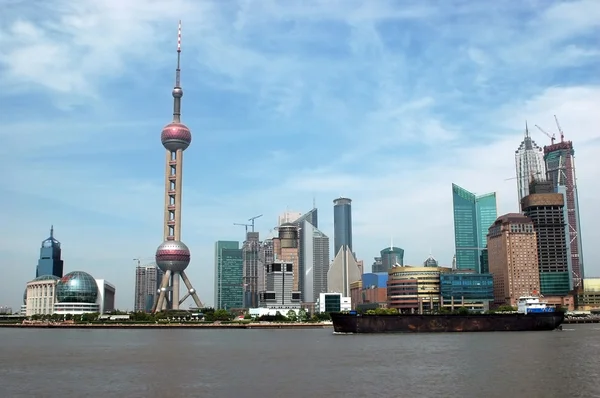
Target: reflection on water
pixel 298 363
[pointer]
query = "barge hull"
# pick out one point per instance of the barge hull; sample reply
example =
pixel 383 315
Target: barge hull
pixel 399 323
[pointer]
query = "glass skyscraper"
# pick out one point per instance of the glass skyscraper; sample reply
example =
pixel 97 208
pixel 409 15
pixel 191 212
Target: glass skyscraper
pixel 50 262
pixel 342 224
pixel 473 215
pixel 229 275
pixel 529 162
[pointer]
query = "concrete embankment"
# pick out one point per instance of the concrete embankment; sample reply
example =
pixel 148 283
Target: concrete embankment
pixel 267 325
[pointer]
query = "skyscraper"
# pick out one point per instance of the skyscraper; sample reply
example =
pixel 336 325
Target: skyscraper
pixel 342 224
pixel 391 257
pixel 545 209
pixel 147 283
pixel 473 215
pixel 250 256
pixel 173 256
pixel 229 274
pixel 560 166
pixel 50 262
pixel 513 256
pixel 314 261
pixel 529 161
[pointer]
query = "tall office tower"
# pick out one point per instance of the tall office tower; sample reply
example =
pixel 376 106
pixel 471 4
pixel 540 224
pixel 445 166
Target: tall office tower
pixel 265 257
pixel 546 212
pixel 342 224
pixel 343 272
pixel 147 283
pixel 229 275
pixel 50 262
pixel 279 292
pixel 529 161
pixel 560 169
pixel 314 262
pixel 285 248
pixel 473 216
pixel 391 257
pixel 173 256
pixel 250 251
pixel 513 257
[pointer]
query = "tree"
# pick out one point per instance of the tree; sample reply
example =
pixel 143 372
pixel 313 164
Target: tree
pixel 291 315
pixel 302 316
pixel 222 315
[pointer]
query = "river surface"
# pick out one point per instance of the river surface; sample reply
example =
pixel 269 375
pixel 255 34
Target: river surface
pixel 298 363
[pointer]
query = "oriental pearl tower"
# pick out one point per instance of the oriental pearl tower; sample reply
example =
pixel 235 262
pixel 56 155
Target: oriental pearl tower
pixel 173 256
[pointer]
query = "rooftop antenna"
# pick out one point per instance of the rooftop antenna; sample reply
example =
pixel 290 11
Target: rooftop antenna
pixel 526 130
pixel 314 202
pixel 177 91
pixel 51 231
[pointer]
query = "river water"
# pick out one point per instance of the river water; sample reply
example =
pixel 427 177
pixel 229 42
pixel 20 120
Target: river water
pixel 298 363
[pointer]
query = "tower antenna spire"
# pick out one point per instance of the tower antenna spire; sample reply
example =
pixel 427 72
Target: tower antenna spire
pixel 51 231
pixel 177 90
pixel 526 129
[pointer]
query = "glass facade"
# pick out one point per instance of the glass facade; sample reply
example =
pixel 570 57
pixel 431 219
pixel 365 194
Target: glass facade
pixel 50 262
pixel 333 302
pixel 342 224
pixel 477 287
pixel 473 215
pixel 77 287
pixel 229 274
pixel 391 257
pixel 554 283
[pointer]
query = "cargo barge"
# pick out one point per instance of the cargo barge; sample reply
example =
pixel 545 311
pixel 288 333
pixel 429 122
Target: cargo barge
pixel 532 315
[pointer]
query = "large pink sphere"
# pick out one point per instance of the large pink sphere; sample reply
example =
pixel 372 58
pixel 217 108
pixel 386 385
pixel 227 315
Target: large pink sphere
pixel 176 136
pixel 172 255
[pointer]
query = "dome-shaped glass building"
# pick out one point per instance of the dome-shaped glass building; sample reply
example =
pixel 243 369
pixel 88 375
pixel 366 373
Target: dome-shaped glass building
pixel 77 287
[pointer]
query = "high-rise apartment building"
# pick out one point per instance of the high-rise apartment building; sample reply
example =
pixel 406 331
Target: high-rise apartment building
pixel 265 256
pixel 529 162
pixel 147 283
pixel 229 275
pixel 50 262
pixel 342 224
pixel 560 169
pixel 473 215
pixel 546 212
pixel 513 258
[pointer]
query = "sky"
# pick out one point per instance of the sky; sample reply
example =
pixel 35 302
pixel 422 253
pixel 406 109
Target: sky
pixel 385 102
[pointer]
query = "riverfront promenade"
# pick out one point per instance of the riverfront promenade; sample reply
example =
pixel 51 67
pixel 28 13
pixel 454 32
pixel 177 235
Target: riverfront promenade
pixel 166 325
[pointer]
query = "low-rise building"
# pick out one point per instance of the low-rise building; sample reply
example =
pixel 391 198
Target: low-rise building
pixel 414 289
pixel 466 289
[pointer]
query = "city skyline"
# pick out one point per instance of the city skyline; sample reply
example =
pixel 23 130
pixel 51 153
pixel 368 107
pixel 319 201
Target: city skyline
pixel 385 111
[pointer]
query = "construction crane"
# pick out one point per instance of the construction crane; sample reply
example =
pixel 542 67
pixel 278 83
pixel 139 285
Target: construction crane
pixel 251 219
pixel 145 259
pixel 245 225
pixel 552 137
pixel 515 177
pixel 562 135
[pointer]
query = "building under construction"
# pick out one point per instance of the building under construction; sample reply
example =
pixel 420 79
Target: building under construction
pixel 560 168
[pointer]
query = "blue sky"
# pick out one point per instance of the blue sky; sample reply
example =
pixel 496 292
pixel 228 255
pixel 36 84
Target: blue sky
pixel 385 102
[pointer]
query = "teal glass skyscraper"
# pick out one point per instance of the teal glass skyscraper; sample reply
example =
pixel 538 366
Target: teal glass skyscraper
pixel 473 215
pixel 229 274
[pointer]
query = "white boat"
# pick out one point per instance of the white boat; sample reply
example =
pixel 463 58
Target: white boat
pixel 532 304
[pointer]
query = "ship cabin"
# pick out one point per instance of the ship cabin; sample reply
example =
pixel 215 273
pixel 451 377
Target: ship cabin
pixel 532 304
